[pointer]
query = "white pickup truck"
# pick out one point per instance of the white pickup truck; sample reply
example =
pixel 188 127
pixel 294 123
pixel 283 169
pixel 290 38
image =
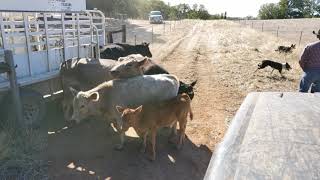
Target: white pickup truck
pixel 155 17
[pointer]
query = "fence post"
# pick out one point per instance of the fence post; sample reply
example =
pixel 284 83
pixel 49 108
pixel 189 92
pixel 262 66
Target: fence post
pixel 135 39
pixel 152 34
pixel 14 86
pixel 110 37
pixel 252 24
pixel 278 31
pixel 300 37
pixel 124 33
pixel 164 27
pixel 262 26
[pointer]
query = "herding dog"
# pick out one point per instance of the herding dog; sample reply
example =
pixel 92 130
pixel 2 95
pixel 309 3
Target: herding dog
pixel 274 65
pixel 286 49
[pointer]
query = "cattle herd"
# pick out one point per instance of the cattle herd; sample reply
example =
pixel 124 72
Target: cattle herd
pixel 127 88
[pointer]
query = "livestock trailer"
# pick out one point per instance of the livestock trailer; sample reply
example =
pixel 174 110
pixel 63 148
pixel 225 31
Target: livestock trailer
pixel 34 43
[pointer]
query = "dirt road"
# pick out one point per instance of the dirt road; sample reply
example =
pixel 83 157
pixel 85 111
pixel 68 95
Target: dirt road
pixel 217 54
pixel 85 152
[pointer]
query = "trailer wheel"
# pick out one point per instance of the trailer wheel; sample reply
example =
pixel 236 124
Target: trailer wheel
pixel 33 107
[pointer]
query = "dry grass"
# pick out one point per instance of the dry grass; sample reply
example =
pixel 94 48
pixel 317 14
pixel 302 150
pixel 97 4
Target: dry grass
pixel 289 29
pixel 240 51
pixel 19 152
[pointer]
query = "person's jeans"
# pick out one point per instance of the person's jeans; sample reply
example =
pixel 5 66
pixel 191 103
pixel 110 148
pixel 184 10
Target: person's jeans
pixel 310 78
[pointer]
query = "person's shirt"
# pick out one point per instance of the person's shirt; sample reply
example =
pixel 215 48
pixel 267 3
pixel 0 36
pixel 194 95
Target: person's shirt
pixel 310 57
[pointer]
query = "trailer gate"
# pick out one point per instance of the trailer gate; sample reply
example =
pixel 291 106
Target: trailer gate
pixel 40 41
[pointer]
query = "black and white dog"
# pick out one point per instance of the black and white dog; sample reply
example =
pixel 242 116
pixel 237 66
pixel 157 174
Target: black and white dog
pixel 286 49
pixel 274 65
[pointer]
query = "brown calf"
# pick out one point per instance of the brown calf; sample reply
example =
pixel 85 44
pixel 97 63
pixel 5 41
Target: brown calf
pixel 150 117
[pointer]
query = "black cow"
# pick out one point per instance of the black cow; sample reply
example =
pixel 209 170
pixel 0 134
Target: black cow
pixel 157 69
pixel 117 50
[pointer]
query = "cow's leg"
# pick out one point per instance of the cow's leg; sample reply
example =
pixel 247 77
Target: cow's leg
pixel 182 125
pixel 144 145
pixel 173 133
pixel 153 142
pixel 66 108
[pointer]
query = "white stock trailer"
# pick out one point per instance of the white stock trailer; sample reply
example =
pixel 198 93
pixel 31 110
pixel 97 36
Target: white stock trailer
pixel 32 46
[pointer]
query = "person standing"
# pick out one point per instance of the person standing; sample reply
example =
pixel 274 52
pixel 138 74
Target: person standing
pixel 310 64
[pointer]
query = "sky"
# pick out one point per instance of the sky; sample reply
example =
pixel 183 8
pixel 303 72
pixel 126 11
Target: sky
pixel 234 8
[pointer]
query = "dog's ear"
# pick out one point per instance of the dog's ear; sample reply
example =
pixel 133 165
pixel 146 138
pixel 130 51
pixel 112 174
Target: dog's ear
pixel 193 83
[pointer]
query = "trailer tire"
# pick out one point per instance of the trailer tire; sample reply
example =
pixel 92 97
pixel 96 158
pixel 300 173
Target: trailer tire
pixel 33 107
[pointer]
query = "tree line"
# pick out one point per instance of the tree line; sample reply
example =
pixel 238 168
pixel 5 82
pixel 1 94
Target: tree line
pixel 141 9
pixel 290 9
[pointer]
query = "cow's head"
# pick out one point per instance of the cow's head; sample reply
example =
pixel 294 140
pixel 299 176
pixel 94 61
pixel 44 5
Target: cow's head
pixel 129 68
pixel 84 104
pixel 143 49
pixel 187 88
pixel 129 116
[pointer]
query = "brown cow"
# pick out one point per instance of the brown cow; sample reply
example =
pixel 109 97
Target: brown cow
pixel 150 117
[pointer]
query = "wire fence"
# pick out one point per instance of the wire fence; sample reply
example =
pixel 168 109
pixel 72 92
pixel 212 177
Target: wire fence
pixel 298 31
pixel 139 31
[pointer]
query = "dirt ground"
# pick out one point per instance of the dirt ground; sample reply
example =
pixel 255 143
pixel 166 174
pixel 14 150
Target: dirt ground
pixel 222 56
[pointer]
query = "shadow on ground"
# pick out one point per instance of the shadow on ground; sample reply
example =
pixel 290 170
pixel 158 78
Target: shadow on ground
pixel 86 152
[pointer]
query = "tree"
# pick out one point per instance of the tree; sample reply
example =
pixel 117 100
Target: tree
pixel 309 8
pixel 141 8
pixel 284 8
pixel 269 11
pixel 317 9
pixel 183 9
pixel 195 7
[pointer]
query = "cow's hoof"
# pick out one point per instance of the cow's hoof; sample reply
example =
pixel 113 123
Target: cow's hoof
pixel 118 147
pixel 151 158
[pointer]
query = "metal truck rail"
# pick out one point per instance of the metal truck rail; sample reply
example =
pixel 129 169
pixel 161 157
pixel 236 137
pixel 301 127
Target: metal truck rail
pixel 35 44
